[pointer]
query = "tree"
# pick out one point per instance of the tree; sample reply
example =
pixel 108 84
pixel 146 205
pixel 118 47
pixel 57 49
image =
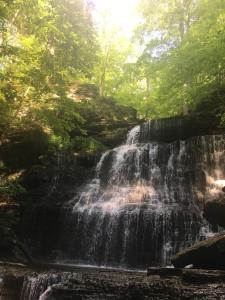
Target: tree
pixel 184 54
pixel 45 45
pixel 113 54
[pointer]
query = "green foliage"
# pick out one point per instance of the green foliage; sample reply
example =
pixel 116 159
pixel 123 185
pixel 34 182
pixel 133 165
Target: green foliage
pixel 48 46
pixel 45 46
pixel 184 56
pixel 87 145
pixel 102 109
pixel 113 54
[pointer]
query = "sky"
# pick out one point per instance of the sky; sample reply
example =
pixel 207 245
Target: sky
pixel 120 13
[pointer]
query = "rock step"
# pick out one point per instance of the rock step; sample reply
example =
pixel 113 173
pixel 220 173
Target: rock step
pixel 164 272
pixel 196 276
pixel 89 283
pixel 208 254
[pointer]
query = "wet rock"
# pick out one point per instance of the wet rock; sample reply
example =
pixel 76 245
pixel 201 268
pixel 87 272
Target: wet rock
pixel 177 128
pixel 208 254
pixel 34 177
pixel 122 216
pixel 113 137
pixel 24 148
pixel 164 272
pixel 196 276
pixel 40 229
pixel 89 283
pixel 10 286
pixel 202 276
pixel 214 211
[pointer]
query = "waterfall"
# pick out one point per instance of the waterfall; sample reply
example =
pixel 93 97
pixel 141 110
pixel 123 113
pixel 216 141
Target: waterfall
pixel 39 286
pixel 1 286
pixel 145 202
pixel 35 285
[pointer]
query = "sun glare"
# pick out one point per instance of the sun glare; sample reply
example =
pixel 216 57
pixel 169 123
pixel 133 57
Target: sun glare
pixel 118 13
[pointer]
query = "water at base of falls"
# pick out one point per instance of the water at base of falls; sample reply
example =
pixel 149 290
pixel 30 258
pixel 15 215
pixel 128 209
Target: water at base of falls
pixel 145 202
pixel 39 286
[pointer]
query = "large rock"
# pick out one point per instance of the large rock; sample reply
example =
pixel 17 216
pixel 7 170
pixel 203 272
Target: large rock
pixel 214 212
pixel 24 148
pixel 208 254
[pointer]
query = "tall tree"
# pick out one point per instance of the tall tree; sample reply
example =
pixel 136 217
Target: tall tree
pixel 45 45
pixel 183 53
pixel 113 54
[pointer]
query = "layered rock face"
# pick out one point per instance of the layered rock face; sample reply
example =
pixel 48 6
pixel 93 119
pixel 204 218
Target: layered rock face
pixel 145 201
pixel 172 129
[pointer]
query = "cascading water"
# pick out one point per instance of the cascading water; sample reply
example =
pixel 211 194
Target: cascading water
pixel 1 285
pixel 145 202
pixel 39 286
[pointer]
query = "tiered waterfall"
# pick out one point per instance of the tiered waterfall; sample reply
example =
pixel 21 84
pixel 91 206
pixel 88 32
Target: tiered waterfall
pixel 145 202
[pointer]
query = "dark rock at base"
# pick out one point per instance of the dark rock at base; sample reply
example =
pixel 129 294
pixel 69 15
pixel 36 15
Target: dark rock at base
pixel 164 272
pixel 214 212
pixel 34 177
pixel 208 254
pixel 101 284
pixel 40 228
pixel 202 276
pixel 195 276
pixel 10 287
pixel 24 148
pixel 48 187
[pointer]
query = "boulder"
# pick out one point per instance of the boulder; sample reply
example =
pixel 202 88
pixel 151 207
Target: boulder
pixel 214 211
pixel 24 148
pixel 208 254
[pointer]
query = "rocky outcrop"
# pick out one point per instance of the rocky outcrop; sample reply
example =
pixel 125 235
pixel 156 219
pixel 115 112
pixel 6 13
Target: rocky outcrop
pixel 178 128
pixel 111 133
pixel 208 254
pixel 195 276
pixel 24 148
pixel 88 283
pixel 214 211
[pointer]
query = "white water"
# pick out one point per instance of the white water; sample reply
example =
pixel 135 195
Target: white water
pixel 145 202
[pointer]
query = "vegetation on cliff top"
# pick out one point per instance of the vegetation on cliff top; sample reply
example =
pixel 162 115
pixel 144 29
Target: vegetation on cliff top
pixel 51 47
